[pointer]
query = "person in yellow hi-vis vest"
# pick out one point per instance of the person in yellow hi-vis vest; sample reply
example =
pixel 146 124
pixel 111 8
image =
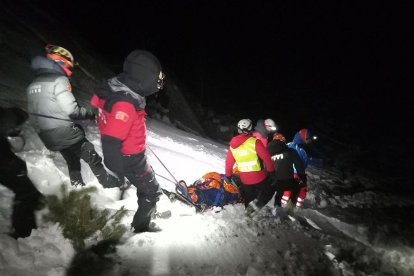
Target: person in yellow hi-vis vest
pixel 255 167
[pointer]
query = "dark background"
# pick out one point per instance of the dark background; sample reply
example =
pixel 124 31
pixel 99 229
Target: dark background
pixel 342 69
pixel 293 62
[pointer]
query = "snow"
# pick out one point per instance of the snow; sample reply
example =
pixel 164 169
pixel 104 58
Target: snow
pixel 340 231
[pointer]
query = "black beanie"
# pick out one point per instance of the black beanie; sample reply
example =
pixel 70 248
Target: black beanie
pixel 140 72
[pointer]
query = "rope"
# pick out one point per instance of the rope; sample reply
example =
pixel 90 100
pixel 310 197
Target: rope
pixel 50 117
pixel 165 178
pixel 165 167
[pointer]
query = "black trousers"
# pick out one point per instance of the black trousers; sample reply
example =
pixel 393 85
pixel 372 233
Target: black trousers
pixel 27 199
pixel 261 191
pixel 85 150
pixel 142 176
pixel 286 185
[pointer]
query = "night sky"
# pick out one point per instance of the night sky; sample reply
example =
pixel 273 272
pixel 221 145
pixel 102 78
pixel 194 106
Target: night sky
pixel 347 65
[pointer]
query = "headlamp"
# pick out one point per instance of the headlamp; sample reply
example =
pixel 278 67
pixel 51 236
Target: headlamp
pixel 160 81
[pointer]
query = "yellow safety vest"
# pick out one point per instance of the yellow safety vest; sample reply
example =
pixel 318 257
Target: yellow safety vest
pixel 246 156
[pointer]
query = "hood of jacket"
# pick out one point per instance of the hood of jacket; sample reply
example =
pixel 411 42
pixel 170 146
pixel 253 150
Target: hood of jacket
pixel 112 91
pixel 301 136
pixel 140 72
pixel 43 65
pixel 238 140
pixel 276 147
pixel 260 127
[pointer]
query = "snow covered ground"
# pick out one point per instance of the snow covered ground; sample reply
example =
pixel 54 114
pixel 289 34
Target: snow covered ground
pixel 347 226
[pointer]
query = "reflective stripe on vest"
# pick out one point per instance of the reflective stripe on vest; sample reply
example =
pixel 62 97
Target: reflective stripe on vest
pixel 246 156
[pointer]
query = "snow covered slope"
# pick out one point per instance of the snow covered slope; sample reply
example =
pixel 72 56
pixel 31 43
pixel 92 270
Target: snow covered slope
pixel 341 231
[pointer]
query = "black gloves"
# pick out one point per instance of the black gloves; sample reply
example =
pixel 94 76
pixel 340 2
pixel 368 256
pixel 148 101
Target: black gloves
pixel 90 115
pixel 83 113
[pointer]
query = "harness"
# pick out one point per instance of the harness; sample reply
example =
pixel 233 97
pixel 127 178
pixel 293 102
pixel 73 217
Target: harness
pixel 219 194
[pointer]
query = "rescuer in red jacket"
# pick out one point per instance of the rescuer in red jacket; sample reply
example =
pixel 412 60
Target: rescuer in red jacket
pixel 254 165
pixel 121 103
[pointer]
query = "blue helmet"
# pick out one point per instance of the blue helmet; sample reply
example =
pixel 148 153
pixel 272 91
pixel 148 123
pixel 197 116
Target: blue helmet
pixel 304 136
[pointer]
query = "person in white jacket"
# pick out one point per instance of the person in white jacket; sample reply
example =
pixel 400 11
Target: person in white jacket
pixel 53 109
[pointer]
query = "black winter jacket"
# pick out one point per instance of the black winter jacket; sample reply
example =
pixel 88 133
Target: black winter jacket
pixel 284 158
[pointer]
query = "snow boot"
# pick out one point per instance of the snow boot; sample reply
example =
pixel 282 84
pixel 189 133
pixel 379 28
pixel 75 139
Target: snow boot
pixel 162 215
pixel 77 183
pixel 152 228
pixel 253 209
pixel 289 208
pixel 278 212
pixel 107 180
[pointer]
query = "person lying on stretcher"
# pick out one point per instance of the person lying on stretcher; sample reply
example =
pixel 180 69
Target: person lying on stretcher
pixel 211 190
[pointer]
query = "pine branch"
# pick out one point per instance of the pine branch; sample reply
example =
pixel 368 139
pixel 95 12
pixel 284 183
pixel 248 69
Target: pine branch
pixel 80 220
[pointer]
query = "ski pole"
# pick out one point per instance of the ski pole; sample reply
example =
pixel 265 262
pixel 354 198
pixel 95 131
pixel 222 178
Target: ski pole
pixel 165 167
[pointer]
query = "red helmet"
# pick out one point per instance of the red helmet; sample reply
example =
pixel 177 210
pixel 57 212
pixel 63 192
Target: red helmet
pixel 279 137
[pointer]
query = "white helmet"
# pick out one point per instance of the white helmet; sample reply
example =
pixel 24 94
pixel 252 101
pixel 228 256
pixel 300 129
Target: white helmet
pixel 244 126
pixel 270 125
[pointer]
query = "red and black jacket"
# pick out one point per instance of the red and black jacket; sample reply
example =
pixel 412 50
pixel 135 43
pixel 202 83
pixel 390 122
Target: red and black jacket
pixel 121 122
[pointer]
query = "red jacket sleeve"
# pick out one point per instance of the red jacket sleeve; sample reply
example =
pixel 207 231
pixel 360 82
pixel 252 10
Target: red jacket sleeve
pixel 229 163
pixel 95 101
pixel 265 156
pixel 120 120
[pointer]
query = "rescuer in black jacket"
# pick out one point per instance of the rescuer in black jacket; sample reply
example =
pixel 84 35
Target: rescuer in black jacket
pixel 284 160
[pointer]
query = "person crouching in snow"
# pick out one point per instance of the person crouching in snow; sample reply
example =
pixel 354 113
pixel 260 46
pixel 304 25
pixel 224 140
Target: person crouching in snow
pixel 285 160
pixel 53 111
pixel 211 190
pixel 13 174
pixel 255 168
pixel 264 129
pixel 121 103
